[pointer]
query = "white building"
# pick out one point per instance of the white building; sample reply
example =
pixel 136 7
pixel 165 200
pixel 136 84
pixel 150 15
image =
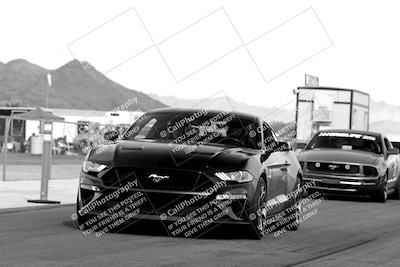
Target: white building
pixel 75 120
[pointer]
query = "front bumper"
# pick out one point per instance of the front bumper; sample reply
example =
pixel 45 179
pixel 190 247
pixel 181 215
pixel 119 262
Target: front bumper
pixel 342 184
pixel 228 202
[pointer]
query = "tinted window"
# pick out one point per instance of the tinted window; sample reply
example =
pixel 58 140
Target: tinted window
pixel 345 141
pixel 195 128
pixel 144 131
pixel 388 144
pixel 269 137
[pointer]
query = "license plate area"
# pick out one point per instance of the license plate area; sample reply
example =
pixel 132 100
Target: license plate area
pixel 330 181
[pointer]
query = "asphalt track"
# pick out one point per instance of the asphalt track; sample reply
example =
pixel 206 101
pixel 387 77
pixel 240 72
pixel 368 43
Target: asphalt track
pixel 344 232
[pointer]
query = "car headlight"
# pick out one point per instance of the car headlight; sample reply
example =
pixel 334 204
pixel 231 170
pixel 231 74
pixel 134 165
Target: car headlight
pixel 238 176
pixel 302 164
pixel 370 171
pixel 89 166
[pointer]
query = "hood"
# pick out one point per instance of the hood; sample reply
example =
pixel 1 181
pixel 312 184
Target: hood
pixel 166 155
pixel 338 155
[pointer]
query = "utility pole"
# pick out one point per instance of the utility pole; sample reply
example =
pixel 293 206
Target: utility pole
pixel 6 130
pixel 47 89
pixel 47 131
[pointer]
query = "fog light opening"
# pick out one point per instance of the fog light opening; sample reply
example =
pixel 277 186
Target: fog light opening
pixel 94 188
pixel 230 196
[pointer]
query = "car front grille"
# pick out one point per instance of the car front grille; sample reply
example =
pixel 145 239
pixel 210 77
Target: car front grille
pixel 161 196
pixel 337 168
pixel 157 203
pixel 158 179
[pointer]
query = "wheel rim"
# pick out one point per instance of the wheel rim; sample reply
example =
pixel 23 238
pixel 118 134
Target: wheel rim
pixel 262 217
pixel 385 194
pixel 298 206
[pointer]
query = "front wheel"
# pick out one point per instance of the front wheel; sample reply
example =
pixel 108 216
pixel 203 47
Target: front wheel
pixel 257 213
pixel 396 194
pixel 382 194
pixel 293 213
pixel 81 219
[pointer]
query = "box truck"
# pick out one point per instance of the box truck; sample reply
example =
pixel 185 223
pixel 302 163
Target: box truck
pixel 320 108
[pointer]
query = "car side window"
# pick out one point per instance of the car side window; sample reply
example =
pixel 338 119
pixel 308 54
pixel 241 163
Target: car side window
pixel 269 137
pixel 144 132
pixel 387 143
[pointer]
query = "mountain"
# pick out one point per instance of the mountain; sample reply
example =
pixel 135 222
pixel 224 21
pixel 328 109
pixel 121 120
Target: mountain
pixel 390 128
pixel 73 87
pixel 23 83
pixel 384 118
pixel 381 111
pixel 228 103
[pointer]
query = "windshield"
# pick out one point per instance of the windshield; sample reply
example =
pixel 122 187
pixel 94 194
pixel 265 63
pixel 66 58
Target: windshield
pixel 200 127
pixel 346 141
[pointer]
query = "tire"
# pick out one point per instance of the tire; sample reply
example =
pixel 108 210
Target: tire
pixel 81 219
pixel 257 218
pixel 396 194
pixel 382 194
pixel 295 211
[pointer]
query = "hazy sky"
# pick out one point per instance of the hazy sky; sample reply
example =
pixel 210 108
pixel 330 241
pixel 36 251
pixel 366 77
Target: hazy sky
pixel 256 51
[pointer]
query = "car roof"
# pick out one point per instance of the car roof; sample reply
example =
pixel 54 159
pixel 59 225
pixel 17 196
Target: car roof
pixel 209 111
pixel 375 134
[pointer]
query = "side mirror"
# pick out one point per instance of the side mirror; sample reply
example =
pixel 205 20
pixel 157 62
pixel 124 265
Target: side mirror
pixel 111 135
pixel 393 151
pixel 265 156
pixel 282 146
pixel 278 146
pixel 300 145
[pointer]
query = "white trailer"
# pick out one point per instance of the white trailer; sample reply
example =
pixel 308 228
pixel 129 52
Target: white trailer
pixel 330 108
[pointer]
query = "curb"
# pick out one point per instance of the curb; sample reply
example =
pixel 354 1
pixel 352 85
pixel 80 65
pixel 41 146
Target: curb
pixel 34 208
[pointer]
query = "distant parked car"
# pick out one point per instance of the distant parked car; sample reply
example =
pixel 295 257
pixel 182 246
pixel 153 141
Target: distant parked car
pixel 350 161
pixel 85 141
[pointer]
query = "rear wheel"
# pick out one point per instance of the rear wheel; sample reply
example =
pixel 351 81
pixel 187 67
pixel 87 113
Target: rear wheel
pixel 294 211
pixel 258 214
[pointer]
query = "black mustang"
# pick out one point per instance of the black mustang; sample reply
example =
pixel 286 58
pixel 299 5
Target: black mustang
pixel 350 161
pixel 191 168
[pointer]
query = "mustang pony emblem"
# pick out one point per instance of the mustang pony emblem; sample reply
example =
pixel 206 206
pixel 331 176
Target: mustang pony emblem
pixel 333 167
pixel 157 178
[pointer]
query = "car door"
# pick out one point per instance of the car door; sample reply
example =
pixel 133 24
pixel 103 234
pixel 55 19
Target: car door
pixel 293 169
pixel 392 163
pixel 277 165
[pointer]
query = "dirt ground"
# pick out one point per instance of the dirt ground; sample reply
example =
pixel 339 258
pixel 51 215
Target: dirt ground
pixel 22 166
